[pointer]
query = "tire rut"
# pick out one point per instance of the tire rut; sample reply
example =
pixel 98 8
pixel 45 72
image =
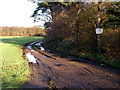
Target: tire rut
pixel 56 72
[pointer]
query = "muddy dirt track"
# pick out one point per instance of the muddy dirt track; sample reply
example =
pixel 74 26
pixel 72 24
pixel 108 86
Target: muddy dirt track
pixel 55 72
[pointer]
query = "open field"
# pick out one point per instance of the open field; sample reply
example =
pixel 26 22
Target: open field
pixel 15 70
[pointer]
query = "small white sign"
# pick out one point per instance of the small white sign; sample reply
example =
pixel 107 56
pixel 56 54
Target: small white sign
pixel 99 30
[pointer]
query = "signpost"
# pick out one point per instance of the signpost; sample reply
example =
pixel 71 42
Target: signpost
pixel 99 30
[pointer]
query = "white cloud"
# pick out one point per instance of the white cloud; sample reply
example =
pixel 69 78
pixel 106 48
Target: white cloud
pixel 16 13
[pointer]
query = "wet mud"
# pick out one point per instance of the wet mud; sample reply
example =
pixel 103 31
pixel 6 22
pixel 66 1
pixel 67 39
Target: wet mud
pixel 60 72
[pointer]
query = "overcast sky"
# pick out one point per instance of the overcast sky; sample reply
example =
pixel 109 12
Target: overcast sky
pixel 16 13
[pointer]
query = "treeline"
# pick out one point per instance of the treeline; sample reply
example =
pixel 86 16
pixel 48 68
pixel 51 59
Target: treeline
pixel 71 29
pixel 22 31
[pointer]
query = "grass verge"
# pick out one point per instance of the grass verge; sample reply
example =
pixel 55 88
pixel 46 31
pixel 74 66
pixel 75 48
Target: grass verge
pixel 68 48
pixel 15 70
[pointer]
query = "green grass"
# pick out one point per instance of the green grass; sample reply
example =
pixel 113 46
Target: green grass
pixel 15 70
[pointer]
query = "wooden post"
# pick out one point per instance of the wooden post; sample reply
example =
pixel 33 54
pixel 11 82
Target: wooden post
pixel 98 26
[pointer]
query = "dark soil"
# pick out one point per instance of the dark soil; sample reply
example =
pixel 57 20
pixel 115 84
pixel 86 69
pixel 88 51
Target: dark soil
pixel 60 72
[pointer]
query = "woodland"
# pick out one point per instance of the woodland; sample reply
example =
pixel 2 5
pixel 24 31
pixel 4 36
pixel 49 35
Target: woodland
pixel 70 29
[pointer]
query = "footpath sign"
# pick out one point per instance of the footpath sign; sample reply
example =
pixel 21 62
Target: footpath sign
pixel 99 30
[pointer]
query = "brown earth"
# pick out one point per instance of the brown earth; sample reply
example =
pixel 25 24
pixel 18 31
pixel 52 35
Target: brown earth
pixel 55 72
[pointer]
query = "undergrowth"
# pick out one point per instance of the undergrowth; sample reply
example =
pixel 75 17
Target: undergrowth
pixel 69 48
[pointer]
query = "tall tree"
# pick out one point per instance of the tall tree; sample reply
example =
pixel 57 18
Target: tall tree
pixel 113 14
